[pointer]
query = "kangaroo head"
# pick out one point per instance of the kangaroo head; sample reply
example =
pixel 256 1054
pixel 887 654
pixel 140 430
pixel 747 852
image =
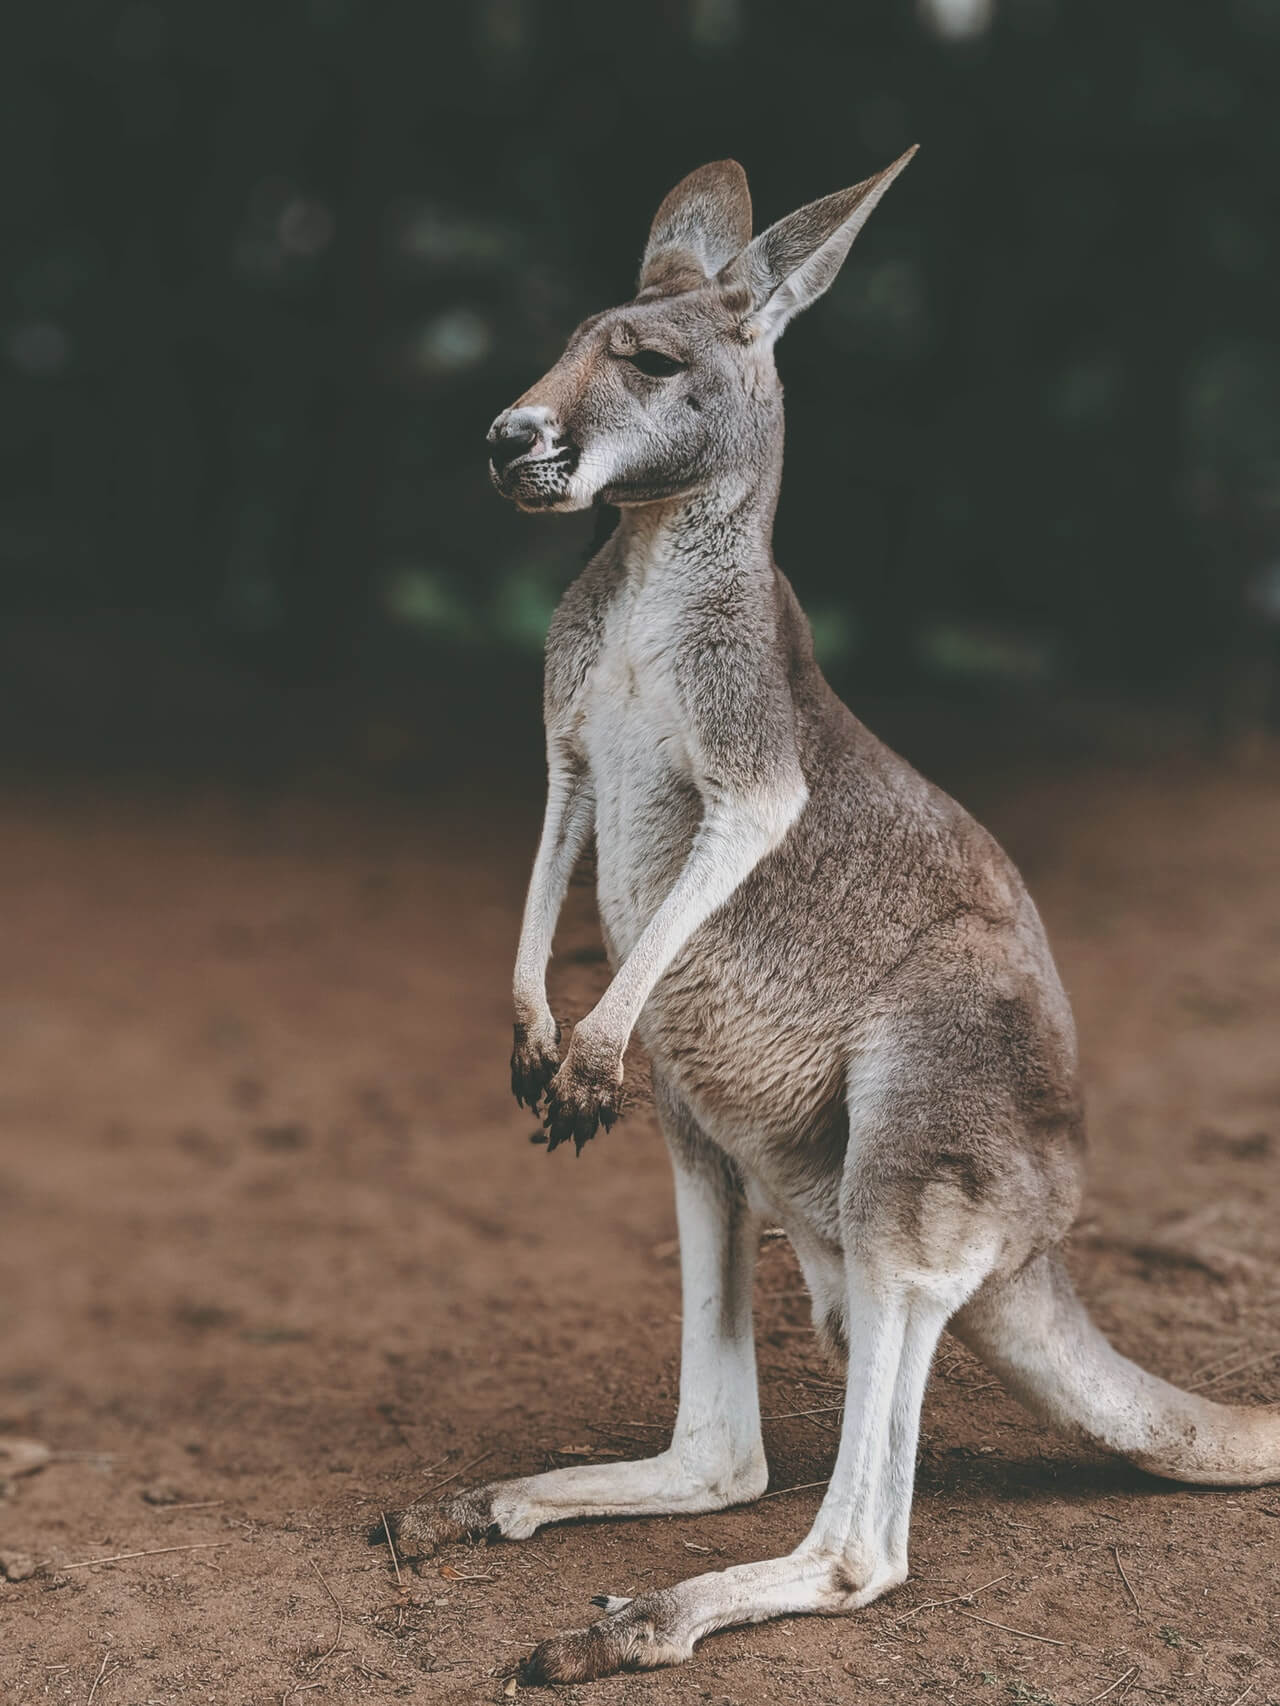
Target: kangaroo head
pixel 678 390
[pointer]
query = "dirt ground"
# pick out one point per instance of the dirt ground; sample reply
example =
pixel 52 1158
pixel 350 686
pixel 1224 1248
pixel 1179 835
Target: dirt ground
pixel 276 1256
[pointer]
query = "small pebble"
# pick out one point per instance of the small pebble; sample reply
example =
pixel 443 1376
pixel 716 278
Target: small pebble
pixel 22 1456
pixel 163 1493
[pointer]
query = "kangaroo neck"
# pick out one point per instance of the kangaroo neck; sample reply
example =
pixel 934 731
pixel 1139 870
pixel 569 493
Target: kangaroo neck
pixel 721 533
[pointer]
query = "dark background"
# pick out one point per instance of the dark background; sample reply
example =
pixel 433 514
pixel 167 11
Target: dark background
pixel 271 269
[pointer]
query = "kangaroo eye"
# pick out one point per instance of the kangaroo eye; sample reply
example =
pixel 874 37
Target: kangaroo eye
pixel 655 364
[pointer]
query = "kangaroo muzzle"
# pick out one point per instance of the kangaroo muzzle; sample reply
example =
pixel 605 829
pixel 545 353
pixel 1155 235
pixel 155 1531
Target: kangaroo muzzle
pixel 530 458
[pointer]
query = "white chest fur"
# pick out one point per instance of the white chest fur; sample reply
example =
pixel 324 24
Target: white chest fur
pixel 639 745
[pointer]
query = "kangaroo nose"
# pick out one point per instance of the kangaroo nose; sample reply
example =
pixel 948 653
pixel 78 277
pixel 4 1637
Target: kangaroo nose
pixel 518 431
pixel 508 440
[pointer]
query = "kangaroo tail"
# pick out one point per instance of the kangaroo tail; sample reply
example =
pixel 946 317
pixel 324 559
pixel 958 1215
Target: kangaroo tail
pixel 1034 1332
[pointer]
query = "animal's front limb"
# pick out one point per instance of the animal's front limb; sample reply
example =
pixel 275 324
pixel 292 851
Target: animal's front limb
pixel 715 1457
pixel 736 833
pixel 566 825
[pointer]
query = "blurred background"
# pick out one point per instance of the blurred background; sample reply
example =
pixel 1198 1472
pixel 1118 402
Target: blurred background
pixel 270 271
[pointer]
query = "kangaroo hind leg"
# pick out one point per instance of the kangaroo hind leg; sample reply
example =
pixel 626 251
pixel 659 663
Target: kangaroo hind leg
pixel 856 1549
pixel 716 1457
pixel 916 1245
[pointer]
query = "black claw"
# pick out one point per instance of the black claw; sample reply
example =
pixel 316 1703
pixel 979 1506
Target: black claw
pixel 563 1120
pixel 530 1075
pixel 527 1089
pixel 537 1137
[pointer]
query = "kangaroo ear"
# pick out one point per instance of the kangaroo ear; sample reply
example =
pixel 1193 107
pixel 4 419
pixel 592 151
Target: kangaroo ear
pixel 789 266
pixel 703 223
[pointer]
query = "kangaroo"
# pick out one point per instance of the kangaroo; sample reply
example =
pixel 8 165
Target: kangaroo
pixel 854 1019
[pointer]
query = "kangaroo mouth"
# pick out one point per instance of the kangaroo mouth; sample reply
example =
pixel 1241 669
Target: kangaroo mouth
pixel 538 482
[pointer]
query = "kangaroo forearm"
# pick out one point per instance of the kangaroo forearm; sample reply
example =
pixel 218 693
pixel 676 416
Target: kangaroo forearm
pixel 566 827
pixel 731 843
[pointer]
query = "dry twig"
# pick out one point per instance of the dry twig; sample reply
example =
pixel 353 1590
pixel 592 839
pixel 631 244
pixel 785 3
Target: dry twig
pixel 956 1599
pixel 386 1529
pixel 1227 1373
pixel 312 1669
pixel 460 1471
pixel 98 1679
pixel 803 1487
pixel 1115 1553
pixel 1025 1633
pixel 1214 1362
pixel 152 1552
pixel 1111 1686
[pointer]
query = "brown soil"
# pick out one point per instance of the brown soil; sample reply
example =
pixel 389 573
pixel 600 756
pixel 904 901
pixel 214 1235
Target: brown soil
pixel 274 1246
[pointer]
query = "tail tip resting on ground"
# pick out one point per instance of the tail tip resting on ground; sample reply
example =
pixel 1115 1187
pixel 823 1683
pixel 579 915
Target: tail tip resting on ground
pixel 1035 1333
